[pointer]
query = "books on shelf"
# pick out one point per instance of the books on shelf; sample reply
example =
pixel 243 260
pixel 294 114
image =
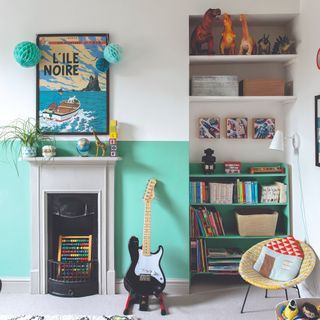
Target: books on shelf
pixel 224 261
pixel 247 191
pixel 205 222
pixel 276 192
pixel 198 192
pixel 198 260
pixel 237 191
pixel 221 192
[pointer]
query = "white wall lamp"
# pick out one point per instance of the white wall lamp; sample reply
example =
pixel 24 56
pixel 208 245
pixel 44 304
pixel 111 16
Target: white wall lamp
pixel 279 139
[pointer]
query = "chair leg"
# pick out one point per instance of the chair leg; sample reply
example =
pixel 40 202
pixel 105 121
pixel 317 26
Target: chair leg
pixel 266 295
pixel 245 298
pixel 286 294
pixel 299 295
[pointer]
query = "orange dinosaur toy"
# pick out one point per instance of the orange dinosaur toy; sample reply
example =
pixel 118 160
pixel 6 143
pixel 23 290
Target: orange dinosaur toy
pixel 247 44
pixel 203 33
pixel 227 42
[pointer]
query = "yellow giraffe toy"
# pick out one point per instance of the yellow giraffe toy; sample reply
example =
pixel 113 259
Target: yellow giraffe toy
pixel 99 145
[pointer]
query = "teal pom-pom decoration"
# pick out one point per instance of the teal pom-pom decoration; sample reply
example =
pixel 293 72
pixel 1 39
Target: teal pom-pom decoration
pixel 102 65
pixel 113 53
pixel 27 54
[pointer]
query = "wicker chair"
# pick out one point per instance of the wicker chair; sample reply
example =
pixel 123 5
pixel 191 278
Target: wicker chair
pixel 254 278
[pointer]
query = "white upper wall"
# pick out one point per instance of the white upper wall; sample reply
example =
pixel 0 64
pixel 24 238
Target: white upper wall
pixel 149 89
pixel 300 119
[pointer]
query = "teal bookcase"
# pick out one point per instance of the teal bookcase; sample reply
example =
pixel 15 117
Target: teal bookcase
pixel 231 238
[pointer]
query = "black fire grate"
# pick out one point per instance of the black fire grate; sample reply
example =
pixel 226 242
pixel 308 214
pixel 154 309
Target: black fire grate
pixel 72 271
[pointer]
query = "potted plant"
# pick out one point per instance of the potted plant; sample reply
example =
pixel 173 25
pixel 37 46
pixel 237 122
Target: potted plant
pixel 26 133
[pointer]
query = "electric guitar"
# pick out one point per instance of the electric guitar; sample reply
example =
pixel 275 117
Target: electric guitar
pixel 145 276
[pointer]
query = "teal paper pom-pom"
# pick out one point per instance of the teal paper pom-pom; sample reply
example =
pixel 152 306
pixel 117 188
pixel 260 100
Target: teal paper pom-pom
pixel 27 54
pixel 102 65
pixel 113 53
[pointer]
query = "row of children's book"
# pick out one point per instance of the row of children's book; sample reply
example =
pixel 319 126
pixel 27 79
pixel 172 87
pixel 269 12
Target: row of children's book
pixel 237 192
pixel 218 261
pixel 205 222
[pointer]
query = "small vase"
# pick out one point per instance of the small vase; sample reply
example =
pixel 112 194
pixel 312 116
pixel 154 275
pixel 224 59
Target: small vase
pixel 28 152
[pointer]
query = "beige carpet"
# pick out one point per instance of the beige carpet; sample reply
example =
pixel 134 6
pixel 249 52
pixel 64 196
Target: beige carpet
pixel 209 299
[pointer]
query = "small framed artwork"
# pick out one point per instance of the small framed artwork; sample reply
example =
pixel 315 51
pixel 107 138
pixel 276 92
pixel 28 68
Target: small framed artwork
pixel 72 94
pixel 237 128
pixel 264 128
pixel 317 130
pixel 209 128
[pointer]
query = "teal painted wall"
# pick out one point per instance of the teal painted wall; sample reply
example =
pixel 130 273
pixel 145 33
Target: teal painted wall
pixel 166 161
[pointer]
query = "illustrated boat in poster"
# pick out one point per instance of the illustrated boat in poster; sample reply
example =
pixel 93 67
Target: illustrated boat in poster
pixel 65 111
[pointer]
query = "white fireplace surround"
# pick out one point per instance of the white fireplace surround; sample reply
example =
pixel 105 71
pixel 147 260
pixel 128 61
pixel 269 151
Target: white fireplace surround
pixel 73 175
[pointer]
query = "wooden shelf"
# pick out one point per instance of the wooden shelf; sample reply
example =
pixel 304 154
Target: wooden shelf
pixel 285 59
pixel 280 99
pixel 239 204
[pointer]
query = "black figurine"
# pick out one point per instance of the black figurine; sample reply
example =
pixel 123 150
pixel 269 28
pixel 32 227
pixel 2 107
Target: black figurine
pixel 208 161
pixel 284 46
pixel 264 45
pixel 309 311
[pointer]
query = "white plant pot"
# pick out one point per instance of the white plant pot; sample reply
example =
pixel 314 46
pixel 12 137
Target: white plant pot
pixel 28 152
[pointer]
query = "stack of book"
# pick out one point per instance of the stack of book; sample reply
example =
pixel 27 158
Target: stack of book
pixel 247 191
pixel 221 193
pixel 198 192
pixel 205 223
pixel 198 260
pixel 276 192
pixel 224 261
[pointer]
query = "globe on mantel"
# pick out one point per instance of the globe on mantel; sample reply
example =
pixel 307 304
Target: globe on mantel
pixel 83 146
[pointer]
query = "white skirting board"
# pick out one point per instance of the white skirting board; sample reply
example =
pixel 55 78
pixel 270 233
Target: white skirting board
pixel 16 285
pixel 22 285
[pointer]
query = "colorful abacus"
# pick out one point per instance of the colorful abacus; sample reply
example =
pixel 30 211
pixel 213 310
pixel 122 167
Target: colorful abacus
pixel 74 257
pixel 113 136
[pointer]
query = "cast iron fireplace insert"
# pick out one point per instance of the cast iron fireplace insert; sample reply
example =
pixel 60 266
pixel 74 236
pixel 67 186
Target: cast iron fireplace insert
pixel 72 216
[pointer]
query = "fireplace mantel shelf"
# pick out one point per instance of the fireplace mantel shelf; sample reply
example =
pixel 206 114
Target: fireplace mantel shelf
pixel 72 160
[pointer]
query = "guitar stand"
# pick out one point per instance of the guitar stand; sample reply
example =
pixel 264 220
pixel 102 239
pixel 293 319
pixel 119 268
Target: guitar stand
pixel 143 302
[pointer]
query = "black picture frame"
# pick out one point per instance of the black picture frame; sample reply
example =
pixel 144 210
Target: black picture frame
pixel 317 130
pixel 105 118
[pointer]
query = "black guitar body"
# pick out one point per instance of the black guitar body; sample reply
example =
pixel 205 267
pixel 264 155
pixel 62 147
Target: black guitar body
pixel 144 276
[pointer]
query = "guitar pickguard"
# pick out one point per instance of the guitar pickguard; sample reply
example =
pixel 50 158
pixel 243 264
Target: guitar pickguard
pixel 150 265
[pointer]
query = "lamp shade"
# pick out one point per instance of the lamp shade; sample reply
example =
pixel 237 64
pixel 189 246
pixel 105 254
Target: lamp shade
pixel 277 142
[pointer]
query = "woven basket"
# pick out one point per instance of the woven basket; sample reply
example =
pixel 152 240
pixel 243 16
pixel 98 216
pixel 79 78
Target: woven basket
pixel 257 224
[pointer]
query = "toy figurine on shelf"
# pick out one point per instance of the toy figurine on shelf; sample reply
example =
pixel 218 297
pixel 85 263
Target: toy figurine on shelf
pixel 264 45
pixel 284 46
pixel 99 145
pixel 247 44
pixel 113 136
pixel 291 310
pixel 203 34
pixel 208 161
pixel 309 311
pixel 228 42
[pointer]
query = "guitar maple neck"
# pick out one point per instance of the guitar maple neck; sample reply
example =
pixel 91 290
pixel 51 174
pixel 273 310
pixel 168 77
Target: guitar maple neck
pixel 146 249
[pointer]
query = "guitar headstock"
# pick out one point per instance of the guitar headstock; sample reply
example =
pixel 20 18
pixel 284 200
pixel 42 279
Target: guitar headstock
pixel 149 193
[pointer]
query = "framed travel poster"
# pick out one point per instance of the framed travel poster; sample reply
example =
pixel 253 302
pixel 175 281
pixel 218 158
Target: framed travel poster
pixel 72 94
pixel 317 129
